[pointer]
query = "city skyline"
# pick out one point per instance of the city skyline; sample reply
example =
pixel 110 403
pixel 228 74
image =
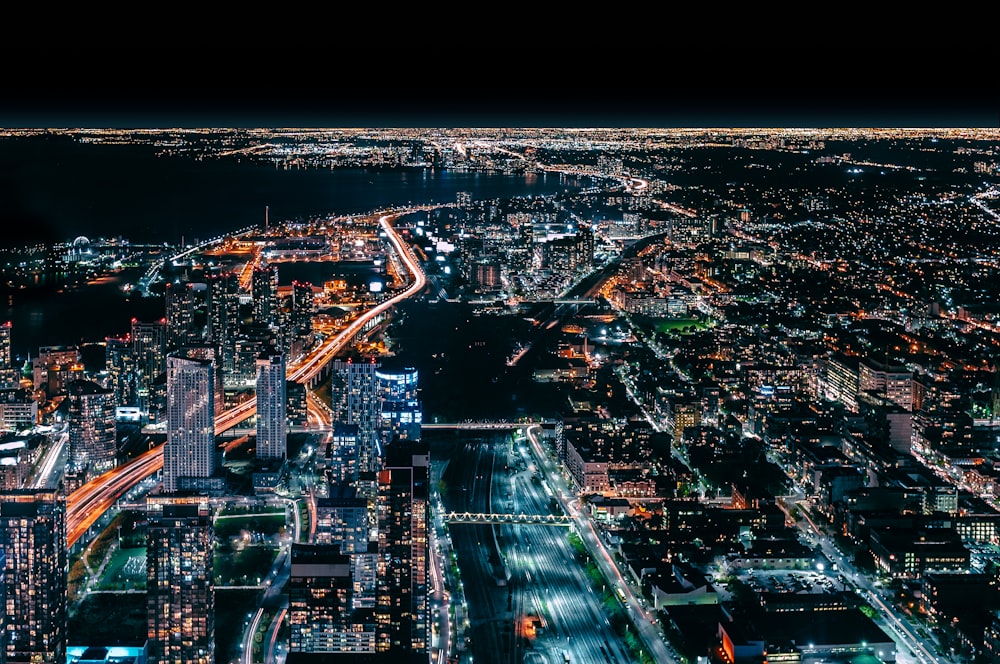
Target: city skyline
pixel 678 385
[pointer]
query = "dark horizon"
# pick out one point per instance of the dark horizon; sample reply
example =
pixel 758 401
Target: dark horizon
pixel 271 104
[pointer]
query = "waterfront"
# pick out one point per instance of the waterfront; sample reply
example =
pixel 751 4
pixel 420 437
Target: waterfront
pixel 57 189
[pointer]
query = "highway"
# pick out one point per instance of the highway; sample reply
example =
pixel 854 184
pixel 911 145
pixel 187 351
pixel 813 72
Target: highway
pixel 86 505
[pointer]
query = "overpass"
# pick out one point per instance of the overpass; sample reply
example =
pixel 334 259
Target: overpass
pixel 518 519
pixel 485 425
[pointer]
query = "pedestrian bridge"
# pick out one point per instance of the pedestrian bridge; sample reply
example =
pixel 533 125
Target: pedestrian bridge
pixel 522 519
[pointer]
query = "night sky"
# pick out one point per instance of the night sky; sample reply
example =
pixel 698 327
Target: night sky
pixel 389 86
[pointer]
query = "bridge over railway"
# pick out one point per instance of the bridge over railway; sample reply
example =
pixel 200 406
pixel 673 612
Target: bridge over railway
pixel 520 519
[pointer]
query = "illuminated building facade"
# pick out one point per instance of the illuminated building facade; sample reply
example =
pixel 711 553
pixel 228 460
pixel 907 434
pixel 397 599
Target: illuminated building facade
pixel 189 452
pixel 33 537
pixel 400 409
pixel 322 615
pixel 180 596
pixel 342 455
pixel 272 406
pixel 224 319
pixel 842 381
pixel 18 409
pixel 355 399
pixel 264 287
pixel 8 375
pixel 149 353
pixel 186 304
pixel 342 519
pixel 93 443
pixel 120 368
pixel 403 515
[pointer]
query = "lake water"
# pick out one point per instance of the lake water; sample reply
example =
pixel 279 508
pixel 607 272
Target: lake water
pixel 55 189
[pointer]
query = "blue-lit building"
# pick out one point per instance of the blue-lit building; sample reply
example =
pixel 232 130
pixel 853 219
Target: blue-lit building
pixel 107 655
pixel 401 409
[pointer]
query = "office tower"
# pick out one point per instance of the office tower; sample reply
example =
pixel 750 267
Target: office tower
pixel 120 367
pixel 403 515
pixel 355 400
pixel 186 304
pixel 149 353
pixel 224 320
pixel 8 375
pixel 33 537
pixel 264 287
pixel 321 614
pixel 272 406
pixel 180 595
pixel 189 453
pixel 93 445
pixel 400 409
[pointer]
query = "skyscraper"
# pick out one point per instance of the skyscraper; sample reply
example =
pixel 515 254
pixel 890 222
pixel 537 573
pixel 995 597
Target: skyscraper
pixel 93 445
pixel 189 453
pixel 272 421
pixel 224 319
pixel 186 304
pixel 180 595
pixel 120 367
pixel 8 375
pixel 149 353
pixel 355 400
pixel 400 409
pixel 264 287
pixel 403 515
pixel 33 538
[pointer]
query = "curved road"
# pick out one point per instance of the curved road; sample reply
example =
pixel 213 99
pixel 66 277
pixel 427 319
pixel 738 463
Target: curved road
pixel 86 505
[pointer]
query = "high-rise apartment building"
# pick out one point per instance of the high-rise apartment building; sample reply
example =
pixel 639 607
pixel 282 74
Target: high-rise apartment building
pixel 33 539
pixel 341 457
pixel 186 311
pixel 3 602
pixel 355 399
pixel 272 407
pixel 93 444
pixel 149 354
pixel 120 367
pixel 264 287
pixel 180 594
pixel 8 374
pixel 342 519
pixel 189 453
pixel 403 514
pixel 322 615
pixel 224 320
